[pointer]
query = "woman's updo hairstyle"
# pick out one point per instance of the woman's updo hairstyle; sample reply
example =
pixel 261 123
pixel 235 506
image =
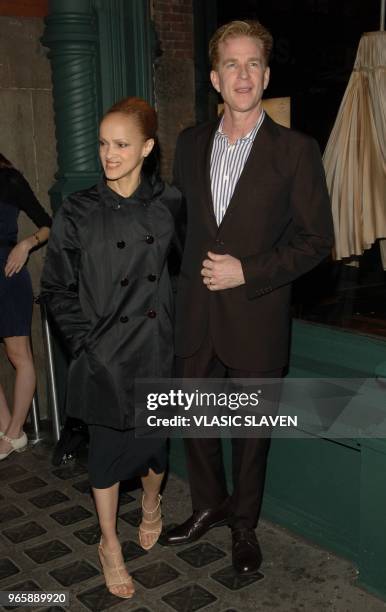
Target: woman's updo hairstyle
pixel 141 111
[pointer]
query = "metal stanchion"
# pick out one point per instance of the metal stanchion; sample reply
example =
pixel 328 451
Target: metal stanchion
pixel 35 418
pixel 53 397
pixel 34 414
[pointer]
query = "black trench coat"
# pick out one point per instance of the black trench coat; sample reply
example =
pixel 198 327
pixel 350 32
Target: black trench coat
pixel 105 282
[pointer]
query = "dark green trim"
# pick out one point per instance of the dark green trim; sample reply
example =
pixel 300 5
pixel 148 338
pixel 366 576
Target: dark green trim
pixel 372 536
pixel 125 50
pixel 139 38
pixel 320 350
pixel 313 488
pixel 112 56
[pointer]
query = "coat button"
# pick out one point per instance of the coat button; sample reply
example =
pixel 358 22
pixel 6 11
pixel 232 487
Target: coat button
pixel 151 314
pixel 121 244
pixel 124 319
pixel 124 282
pixel 149 239
pixel 151 278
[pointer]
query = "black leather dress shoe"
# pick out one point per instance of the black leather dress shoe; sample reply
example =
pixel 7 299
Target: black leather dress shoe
pixel 246 553
pixel 196 526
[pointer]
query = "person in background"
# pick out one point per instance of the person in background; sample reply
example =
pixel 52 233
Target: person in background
pixel 16 300
pixel 258 217
pixel 106 284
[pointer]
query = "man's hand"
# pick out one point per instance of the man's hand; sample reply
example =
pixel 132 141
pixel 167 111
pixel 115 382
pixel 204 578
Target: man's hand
pixel 222 272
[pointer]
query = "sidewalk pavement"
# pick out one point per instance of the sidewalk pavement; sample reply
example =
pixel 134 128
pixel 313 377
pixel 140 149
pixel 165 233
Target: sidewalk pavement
pixel 49 536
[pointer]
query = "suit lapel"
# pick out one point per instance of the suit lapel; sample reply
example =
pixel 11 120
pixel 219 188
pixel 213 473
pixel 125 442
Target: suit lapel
pixel 204 149
pixel 261 145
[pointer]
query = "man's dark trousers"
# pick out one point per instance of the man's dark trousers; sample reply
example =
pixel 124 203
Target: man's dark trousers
pixel 204 455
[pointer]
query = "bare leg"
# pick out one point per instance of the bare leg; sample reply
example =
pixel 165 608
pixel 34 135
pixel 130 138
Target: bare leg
pixel 106 502
pixel 151 509
pixel 151 487
pixel 5 415
pixel 19 353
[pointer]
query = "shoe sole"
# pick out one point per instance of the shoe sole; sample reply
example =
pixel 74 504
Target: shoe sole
pixel 222 523
pixel 14 450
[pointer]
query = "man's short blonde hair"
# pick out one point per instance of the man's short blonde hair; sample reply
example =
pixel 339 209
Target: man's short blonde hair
pixel 254 29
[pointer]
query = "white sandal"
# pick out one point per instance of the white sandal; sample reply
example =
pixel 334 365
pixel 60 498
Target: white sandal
pixel 17 444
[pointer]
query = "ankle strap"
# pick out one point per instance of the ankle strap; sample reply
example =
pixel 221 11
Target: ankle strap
pixel 155 509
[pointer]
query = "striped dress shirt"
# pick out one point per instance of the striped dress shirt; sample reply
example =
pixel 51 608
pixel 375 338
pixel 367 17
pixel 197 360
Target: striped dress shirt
pixel 226 165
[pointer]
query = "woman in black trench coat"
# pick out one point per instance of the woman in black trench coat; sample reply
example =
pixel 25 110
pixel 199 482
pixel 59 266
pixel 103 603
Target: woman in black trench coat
pixel 106 284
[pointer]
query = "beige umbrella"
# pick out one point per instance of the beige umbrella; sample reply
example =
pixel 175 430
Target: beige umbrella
pixel 355 155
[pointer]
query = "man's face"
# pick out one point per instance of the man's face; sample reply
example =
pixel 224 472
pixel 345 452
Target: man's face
pixel 241 75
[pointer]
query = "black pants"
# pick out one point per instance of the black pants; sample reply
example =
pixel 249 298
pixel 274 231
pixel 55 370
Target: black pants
pixel 204 456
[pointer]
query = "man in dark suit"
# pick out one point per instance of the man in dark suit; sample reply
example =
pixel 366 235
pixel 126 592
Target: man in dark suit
pixel 258 218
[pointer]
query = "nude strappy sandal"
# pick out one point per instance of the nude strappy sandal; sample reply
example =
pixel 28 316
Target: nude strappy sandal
pixel 146 528
pixel 115 572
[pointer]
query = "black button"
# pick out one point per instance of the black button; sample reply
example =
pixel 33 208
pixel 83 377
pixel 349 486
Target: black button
pixel 149 239
pixel 121 244
pixel 124 319
pixel 152 314
pixel 219 241
pixel 124 282
pixel 151 278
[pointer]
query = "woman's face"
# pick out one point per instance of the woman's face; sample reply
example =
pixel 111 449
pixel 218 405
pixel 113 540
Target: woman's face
pixel 122 146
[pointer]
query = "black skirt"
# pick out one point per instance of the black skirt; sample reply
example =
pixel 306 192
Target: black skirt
pixel 116 455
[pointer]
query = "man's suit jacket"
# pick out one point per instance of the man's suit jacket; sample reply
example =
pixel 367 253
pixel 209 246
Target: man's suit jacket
pixel 278 223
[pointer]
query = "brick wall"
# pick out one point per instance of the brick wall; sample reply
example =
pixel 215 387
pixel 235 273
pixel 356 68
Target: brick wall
pixel 174 73
pixel 24 8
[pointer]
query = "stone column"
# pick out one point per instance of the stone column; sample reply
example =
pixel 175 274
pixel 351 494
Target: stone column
pixel 71 36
